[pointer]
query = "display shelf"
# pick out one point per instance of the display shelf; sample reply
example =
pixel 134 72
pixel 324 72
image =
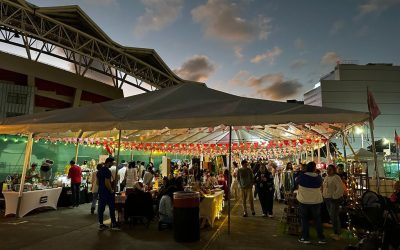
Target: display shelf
pixel 290 217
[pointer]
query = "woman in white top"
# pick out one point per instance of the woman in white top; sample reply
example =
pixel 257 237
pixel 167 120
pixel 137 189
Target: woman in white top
pixel 165 209
pixel 235 183
pixel 148 178
pixel 332 191
pixel 131 175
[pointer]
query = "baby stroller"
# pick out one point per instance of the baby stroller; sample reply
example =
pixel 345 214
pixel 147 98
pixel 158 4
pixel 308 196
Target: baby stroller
pixel 376 222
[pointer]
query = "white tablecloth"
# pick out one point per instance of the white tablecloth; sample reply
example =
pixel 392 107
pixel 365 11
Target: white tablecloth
pixel 211 207
pixel 31 200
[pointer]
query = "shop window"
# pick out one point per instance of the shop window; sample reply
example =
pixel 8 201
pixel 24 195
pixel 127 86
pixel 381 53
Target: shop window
pixel 17 98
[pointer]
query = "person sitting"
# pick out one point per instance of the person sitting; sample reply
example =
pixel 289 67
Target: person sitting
pixel 165 209
pixel 211 181
pixel 139 204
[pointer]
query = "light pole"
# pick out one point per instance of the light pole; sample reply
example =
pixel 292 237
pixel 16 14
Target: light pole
pixel 360 131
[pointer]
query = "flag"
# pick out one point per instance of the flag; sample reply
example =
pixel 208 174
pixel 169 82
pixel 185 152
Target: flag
pixel 396 138
pixel 373 108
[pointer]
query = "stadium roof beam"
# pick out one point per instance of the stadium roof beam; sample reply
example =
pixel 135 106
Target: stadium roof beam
pixel 67 29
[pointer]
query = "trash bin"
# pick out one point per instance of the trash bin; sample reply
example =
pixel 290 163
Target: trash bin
pixel 186 216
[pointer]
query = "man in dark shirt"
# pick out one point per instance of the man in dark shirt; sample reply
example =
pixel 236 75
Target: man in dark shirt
pixel 106 195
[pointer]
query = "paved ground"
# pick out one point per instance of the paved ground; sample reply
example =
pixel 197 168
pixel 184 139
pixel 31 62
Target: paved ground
pixel 77 229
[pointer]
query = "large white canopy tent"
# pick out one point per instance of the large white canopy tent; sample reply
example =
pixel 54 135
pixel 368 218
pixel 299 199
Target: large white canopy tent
pixel 180 107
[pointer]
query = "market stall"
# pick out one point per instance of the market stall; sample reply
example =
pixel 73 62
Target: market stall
pixel 211 206
pixel 31 200
pixel 186 107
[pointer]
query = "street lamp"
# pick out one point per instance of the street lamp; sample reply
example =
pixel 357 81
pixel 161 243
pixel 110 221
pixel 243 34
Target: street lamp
pixel 360 131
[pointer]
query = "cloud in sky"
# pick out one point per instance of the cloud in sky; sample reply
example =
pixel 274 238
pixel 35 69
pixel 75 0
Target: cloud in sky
pixel 336 27
pixel 221 19
pixel 158 14
pixel 298 64
pixel 101 2
pixel 270 86
pixel 274 86
pixel 376 6
pixel 197 68
pixel 238 52
pixel 269 55
pixel 240 78
pixel 299 44
pixel 330 58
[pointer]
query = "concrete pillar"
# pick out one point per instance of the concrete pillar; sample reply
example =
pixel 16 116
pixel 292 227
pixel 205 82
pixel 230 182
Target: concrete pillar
pixel 31 80
pixel 31 84
pixel 77 97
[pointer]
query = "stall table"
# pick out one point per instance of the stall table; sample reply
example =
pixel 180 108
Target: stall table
pixel 211 206
pixel 31 200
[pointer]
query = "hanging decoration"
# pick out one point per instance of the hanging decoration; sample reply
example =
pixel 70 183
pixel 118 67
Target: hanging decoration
pixel 270 149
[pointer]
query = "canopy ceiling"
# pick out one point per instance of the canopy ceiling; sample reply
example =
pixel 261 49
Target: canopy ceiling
pixel 183 106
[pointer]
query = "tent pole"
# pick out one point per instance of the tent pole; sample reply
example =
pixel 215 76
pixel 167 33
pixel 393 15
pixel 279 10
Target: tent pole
pixel 27 159
pixel 77 146
pixel 397 156
pixel 229 179
pixel 348 144
pixel 319 153
pixel 371 127
pixel 312 154
pixel 76 152
pixel 118 152
pixel 328 151
pixel 344 148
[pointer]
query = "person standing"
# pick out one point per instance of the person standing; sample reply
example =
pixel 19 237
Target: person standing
pixel 246 181
pixel 122 176
pixel 95 188
pixel 310 199
pixel 75 174
pixel 148 178
pixel 142 169
pixel 235 184
pixel 106 195
pixel 131 175
pixel 32 175
pixel 332 191
pixel 265 190
pixel 46 171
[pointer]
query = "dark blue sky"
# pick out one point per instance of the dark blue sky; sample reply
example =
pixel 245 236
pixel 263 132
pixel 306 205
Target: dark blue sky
pixel 266 49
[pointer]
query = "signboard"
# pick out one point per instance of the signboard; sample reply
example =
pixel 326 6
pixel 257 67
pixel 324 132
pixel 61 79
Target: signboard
pixel 43 199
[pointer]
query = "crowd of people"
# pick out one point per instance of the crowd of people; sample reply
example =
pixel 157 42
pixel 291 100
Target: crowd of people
pixel 313 190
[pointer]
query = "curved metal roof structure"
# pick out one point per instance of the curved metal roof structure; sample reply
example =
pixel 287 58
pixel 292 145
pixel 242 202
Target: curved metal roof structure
pixel 68 33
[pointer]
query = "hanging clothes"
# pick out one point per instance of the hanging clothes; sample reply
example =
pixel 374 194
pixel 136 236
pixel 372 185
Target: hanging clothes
pixel 277 185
